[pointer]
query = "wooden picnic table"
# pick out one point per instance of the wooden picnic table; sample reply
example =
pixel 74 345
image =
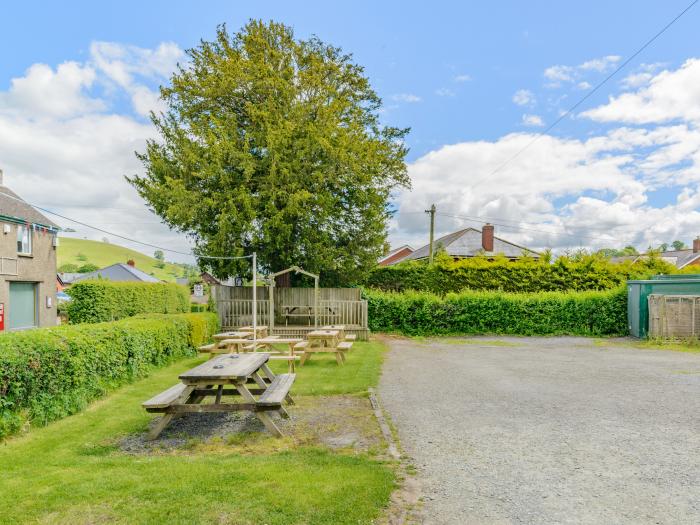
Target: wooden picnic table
pixel 261 330
pixel 324 340
pixel 268 343
pixel 211 379
pixel 235 334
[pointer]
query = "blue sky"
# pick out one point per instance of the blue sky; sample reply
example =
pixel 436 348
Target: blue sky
pixel 463 75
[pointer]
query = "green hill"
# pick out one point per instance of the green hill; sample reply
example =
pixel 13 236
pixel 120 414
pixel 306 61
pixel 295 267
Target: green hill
pixel 81 251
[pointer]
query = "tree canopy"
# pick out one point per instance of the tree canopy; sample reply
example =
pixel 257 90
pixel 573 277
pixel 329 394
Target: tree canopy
pixel 274 144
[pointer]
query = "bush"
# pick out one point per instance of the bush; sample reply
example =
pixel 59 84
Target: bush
pixel 98 301
pixel 68 268
pixel 524 275
pixel 50 373
pixel 87 268
pixel 544 313
pixel 196 307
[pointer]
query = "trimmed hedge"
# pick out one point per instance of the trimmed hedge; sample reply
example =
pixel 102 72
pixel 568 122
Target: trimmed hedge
pixel 544 313
pixel 521 276
pixel 102 300
pixel 50 373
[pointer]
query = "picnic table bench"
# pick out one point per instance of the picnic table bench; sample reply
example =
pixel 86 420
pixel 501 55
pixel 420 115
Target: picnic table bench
pixel 211 378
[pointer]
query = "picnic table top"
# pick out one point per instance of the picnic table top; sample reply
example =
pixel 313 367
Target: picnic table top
pixel 228 366
pixel 333 327
pixel 260 328
pixel 321 334
pixel 232 335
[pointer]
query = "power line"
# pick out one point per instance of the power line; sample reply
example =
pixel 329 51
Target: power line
pixel 587 95
pixel 123 236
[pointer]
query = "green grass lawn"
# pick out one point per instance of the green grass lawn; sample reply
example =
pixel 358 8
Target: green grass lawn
pixel 103 254
pixel 72 471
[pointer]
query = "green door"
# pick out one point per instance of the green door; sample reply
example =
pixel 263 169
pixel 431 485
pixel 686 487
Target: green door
pixel 21 312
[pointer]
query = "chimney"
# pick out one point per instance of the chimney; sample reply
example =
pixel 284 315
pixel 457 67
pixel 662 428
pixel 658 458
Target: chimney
pixel 131 262
pixel 487 237
pixel 696 244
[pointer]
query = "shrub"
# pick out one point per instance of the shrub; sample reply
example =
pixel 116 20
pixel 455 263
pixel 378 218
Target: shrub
pixel 49 373
pixel 68 268
pixel 87 268
pixel 524 275
pixel 544 313
pixel 98 301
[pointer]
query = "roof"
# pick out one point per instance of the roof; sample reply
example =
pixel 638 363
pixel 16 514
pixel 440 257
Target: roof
pixel 467 243
pixel 678 258
pixel 394 251
pixel 13 206
pixel 69 277
pixel 118 272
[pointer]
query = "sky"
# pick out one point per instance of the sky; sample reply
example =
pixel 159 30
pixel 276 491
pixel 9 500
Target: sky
pixel 475 81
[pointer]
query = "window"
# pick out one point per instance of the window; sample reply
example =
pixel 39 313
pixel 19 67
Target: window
pixel 24 239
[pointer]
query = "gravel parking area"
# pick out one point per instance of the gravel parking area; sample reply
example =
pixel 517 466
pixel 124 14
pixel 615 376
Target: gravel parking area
pixel 548 430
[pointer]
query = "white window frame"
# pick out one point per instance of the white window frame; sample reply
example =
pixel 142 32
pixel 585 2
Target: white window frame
pixel 26 248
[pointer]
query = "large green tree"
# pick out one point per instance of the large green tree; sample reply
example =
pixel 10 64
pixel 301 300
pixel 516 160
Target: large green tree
pixel 274 144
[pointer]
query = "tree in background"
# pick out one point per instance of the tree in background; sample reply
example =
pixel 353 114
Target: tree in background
pixel 678 245
pixel 87 268
pixel 160 258
pixel 274 145
pixel 614 252
pixel 68 268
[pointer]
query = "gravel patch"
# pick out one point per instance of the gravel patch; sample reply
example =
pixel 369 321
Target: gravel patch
pixel 548 430
pixel 336 422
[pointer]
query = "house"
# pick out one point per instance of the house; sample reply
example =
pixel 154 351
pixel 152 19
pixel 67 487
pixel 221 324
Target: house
pixel 471 242
pixel 395 255
pixel 27 264
pixel 678 258
pixel 117 272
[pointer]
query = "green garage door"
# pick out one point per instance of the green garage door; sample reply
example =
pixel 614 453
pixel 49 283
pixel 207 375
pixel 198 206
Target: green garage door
pixel 21 312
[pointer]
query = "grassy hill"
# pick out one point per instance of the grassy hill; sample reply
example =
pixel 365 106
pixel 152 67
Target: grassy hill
pixel 103 254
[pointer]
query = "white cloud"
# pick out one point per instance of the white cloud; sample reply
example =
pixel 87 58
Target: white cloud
pixel 560 74
pixel 62 145
pixel 604 182
pixel 43 92
pixel 667 96
pixel 444 92
pixel 462 78
pixel 532 120
pixel 584 85
pixel 406 97
pixel 524 97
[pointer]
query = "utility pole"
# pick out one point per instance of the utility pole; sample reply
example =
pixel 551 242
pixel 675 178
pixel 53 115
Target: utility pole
pixel 431 211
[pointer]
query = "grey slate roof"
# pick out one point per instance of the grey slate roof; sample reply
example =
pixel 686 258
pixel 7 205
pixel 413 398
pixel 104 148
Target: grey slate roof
pixel 118 272
pixel 678 258
pixel 69 277
pixel 18 209
pixel 467 243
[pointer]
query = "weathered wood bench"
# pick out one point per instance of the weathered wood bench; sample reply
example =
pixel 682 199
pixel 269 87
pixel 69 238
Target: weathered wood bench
pixel 350 337
pixel 277 392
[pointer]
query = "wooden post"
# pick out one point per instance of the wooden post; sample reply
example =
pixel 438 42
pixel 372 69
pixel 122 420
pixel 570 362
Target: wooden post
pixel 431 211
pixel 271 305
pixel 316 302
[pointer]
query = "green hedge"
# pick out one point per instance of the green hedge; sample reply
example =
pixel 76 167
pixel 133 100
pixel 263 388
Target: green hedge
pixel 49 373
pixel 544 313
pixel 102 300
pixel 521 276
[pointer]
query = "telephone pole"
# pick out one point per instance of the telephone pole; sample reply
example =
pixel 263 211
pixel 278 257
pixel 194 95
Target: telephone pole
pixel 431 211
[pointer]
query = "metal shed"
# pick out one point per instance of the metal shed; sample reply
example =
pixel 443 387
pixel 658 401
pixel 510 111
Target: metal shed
pixel 638 293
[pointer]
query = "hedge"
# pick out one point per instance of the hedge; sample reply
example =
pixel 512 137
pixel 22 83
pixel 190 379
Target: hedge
pixel 102 300
pixel 544 313
pixel 521 276
pixel 50 373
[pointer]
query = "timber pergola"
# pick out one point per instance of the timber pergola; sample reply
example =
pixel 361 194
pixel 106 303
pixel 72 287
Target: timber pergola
pixel 271 284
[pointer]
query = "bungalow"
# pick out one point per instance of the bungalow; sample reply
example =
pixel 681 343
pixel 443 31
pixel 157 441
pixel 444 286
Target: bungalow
pixel 27 264
pixel 395 255
pixel 471 242
pixel 117 272
pixel 678 258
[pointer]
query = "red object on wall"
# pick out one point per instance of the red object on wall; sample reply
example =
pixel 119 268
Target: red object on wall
pixel 2 316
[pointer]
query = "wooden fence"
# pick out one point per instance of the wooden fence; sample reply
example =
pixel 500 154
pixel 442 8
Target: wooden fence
pixel 294 307
pixel 674 316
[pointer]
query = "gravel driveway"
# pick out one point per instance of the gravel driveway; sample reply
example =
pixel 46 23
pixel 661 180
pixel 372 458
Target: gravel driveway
pixel 548 430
